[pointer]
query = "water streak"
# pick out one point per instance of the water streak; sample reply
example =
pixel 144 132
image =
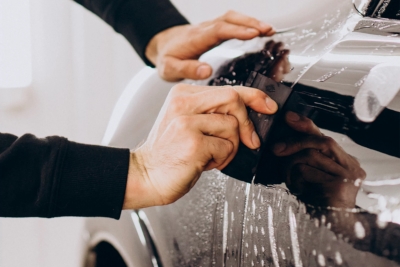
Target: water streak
pixel 272 239
pixel 225 229
pixel 329 75
pixel 294 238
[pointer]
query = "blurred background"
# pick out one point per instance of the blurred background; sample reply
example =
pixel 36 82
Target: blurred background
pixel 61 71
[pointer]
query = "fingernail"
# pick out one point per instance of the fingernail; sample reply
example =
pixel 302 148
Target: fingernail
pixel 255 139
pixel 251 30
pixel 271 104
pixel 203 71
pixel 280 147
pixel 292 116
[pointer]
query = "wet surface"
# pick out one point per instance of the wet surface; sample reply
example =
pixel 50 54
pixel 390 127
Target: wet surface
pixel 334 198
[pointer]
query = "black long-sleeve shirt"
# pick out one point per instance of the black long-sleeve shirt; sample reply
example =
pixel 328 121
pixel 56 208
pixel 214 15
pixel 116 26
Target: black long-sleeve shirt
pixel 54 177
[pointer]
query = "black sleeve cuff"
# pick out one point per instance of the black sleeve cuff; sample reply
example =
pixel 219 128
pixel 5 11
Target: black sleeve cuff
pixel 137 20
pixel 141 20
pixel 91 181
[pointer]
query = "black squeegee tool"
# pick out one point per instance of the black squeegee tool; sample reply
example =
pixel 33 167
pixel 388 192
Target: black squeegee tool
pixel 246 164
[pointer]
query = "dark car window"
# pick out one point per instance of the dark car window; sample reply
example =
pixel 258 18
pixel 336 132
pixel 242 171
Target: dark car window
pixel 389 9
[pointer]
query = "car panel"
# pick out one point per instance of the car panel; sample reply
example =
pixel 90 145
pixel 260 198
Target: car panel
pixel 225 222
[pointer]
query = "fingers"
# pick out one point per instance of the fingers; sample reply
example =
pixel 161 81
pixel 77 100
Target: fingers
pixel 206 98
pixel 219 31
pixel 217 125
pixel 228 101
pixel 174 51
pixel 224 100
pixel 174 69
pixel 257 100
pixel 241 19
pixel 220 151
pixel 217 133
pixel 302 124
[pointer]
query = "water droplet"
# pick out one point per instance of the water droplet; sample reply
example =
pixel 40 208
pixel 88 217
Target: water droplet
pixel 338 258
pixel 294 238
pixel 321 260
pixel 357 182
pixel 359 230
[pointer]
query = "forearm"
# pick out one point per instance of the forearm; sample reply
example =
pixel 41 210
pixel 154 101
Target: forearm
pixel 137 20
pixel 53 177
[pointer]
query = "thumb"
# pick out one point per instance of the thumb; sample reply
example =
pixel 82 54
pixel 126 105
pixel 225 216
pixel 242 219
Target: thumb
pixel 174 69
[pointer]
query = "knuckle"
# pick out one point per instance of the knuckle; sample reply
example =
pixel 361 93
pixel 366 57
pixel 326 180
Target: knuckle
pixel 164 67
pixel 311 153
pixel 218 26
pixel 181 123
pixel 360 174
pixel 195 31
pixel 232 121
pixel 228 147
pixel 229 13
pixel 177 103
pixel 328 142
pixel 297 145
pixel 247 122
pixel 232 94
pixel 178 88
pixel 194 143
pixel 255 93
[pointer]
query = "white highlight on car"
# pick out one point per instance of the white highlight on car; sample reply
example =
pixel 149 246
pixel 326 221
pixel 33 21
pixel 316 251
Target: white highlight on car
pixel 379 89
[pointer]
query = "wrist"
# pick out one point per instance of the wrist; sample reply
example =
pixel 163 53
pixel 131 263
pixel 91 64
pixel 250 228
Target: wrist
pixel 139 191
pixel 152 48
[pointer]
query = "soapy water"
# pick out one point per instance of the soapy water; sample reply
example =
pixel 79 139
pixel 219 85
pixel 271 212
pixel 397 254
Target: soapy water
pixel 330 74
pixel 289 235
pixel 225 222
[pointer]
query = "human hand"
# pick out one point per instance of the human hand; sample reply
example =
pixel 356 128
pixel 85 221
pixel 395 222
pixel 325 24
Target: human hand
pixel 317 168
pixel 175 51
pixel 198 129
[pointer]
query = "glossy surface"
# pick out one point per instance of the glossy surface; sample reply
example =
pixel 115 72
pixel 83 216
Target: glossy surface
pixel 343 68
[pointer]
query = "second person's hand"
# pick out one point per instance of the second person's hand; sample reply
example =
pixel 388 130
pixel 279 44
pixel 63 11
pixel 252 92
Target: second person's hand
pixel 175 51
